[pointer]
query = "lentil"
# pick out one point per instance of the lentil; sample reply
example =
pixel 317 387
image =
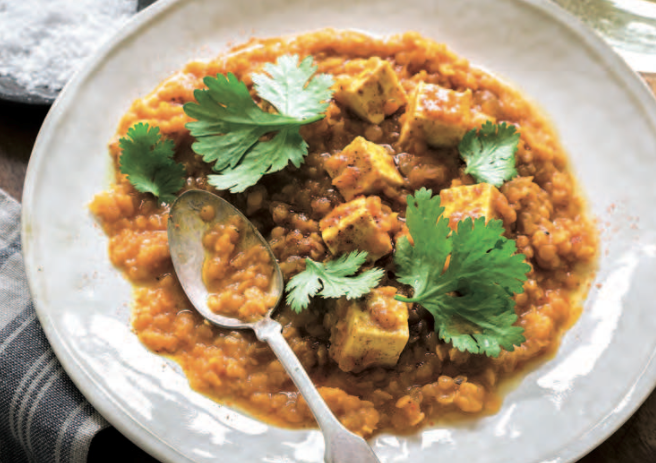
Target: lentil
pixel 541 209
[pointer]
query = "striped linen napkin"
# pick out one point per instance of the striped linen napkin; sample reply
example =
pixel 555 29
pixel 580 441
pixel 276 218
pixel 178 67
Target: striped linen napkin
pixel 43 417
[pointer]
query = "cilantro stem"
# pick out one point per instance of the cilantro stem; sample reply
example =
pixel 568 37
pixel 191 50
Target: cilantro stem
pixel 435 291
pixel 286 121
pixel 310 120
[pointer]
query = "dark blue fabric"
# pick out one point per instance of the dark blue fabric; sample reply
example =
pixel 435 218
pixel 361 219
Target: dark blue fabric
pixel 43 417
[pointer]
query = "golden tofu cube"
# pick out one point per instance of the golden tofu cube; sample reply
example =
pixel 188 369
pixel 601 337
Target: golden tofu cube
pixel 363 167
pixel 437 115
pixel 370 332
pixel 359 225
pixel 374 93
pixel 472 201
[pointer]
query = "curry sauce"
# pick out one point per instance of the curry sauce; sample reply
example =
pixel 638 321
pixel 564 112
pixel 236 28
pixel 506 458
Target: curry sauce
pixel 541 209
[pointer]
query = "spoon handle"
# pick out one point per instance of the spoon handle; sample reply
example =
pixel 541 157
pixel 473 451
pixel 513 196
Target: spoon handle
pixel 342 446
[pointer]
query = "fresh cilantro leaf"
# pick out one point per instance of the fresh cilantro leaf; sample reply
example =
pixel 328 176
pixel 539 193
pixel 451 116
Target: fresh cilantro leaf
pixel 148 162
pixel 228 121
pixel 332 279
pixel 288 90
pixel 471 300
pixel 287 145
pixel 229 124
pixel 490 153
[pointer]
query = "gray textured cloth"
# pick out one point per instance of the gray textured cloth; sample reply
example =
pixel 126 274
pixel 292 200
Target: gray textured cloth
pixel 43 417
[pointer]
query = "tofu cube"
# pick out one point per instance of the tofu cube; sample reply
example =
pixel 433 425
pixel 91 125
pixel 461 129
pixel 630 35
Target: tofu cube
pixel 369 332
pixel 359 225
pixel 374 93
pixel 437 115
pixel 363 167
pixel 469 201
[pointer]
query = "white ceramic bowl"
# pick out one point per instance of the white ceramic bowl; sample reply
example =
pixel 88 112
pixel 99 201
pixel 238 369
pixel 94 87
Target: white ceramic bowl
pixel 603 112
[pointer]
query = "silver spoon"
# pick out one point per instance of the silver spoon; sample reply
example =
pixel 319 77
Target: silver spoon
pixel 185 231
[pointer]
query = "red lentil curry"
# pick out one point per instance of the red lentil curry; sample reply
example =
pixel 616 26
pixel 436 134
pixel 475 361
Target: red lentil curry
pixel 541 209
pixel 238 278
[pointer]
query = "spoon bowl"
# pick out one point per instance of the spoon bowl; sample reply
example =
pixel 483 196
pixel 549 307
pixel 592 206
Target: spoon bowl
pixel 186 229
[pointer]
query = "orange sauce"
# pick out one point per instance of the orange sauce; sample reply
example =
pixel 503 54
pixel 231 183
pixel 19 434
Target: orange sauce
pixel 542 211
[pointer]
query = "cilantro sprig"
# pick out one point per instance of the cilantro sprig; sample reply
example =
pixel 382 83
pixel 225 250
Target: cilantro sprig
pixel 490 153
pixel 148 162
pixel 333 279
pixel 471 301
pixel 229 124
